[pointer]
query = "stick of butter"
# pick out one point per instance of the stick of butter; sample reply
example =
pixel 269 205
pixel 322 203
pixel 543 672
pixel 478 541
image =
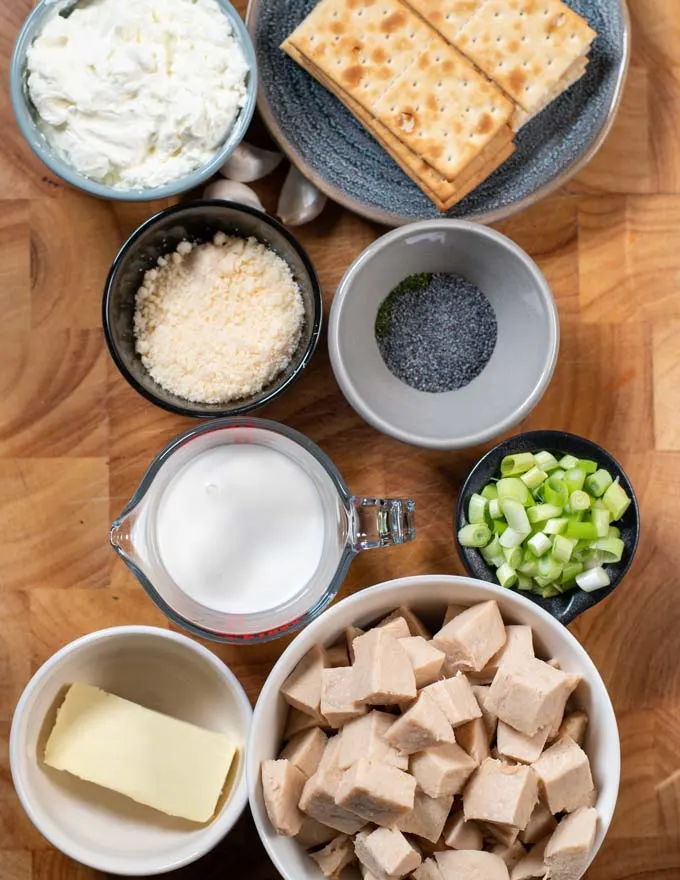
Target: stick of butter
pixel 167 764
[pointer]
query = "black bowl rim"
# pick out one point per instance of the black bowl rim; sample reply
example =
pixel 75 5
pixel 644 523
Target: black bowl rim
pixel 541 436
pixel 277 389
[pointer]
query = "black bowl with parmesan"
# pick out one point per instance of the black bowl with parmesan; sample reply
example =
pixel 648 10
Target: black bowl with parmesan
pixel 211 309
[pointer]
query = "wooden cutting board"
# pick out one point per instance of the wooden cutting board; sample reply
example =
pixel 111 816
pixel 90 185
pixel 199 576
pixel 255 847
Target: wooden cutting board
pixel 75 439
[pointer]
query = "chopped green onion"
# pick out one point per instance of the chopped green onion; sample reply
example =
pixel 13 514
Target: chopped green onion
pixel 570 571
pixel 499 526
pixel 574 515
pixel 474 535
pixel 549 568
pixel 568 462
pixel 593 579
pixel 495 509
pixel 574 479
pixel 562 548
pixel 587 465
pixel 584 531
pixel 493 553
pixel 524 582
pixel 549 592
pixel 581 551
pixel 579 500
pixel 539 544
pixel 541 582
pixel 515 515
pixel 489 491
pixel 559 474
pixel 477 509
pixel 534 478
pixel 529 569
pixel 611 549
pixel 514 465
pixel 617 500
pixel 556 492
pixel 598 483
pixel 513 556
pixel 600 520
pixel 542 512
pixel 512 538
pixel 555 526
pixel 613 532
pixel 512 487
pixel 507 576
pixel 546 461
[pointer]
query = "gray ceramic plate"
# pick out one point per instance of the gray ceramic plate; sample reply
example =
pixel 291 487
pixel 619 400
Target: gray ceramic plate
pixel 337 153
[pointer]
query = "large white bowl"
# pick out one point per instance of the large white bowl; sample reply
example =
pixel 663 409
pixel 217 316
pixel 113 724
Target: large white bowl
pixel 428 596
pixel 155 668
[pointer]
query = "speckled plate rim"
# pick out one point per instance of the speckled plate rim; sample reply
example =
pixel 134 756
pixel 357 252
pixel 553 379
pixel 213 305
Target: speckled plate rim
pixel 395 220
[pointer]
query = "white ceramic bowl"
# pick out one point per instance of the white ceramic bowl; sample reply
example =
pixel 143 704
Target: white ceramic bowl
pixel 428 596
pixel 155 668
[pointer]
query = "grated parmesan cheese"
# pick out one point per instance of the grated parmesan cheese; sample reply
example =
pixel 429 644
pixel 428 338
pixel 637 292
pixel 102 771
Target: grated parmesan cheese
pixel 218 321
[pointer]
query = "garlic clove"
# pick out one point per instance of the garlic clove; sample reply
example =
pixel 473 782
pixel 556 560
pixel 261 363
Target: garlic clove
pixel 233 191
pixel 248 163
pixel 300 201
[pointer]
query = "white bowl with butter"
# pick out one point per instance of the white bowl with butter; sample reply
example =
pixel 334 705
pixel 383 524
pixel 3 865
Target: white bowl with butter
pixel 155 669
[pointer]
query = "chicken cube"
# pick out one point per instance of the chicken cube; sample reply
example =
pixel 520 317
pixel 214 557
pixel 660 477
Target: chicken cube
pixel 510 854
pixel 453 611
pixel 456 699
pixel 396 626
pixel 415 624
pixel 518 643
pixel 520 747
pixel 337 697
pixel 420 727
pixel 564 775
pixel 527 694
pixel 532 865
pixel 334 857
pixel 541 824
pixel 383 674
pixel 428 816
pixel 306 749
pixel 501 793
pixel 429 870
pixel 575 725
pixel 459 834
pixel 386 852
pixel 365 738
pixel 568 851
pixel 472 638
pixel 505 835
pixel 282 784
pixel 318 795
pixel 351 633
pixel 572 683
pixel 473 738
pixel 337 656
pixel 442 770
pixel 377 792
pixel 425 659
pixel 298 722
pixel 302 688
pixel 471 865
pixel 313 833
pixel 490 720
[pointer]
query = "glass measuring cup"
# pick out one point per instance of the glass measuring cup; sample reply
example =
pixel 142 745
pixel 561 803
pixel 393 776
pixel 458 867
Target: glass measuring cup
pixel 351 525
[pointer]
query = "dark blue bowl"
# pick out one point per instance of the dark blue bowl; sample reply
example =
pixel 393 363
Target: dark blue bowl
pixel 568 606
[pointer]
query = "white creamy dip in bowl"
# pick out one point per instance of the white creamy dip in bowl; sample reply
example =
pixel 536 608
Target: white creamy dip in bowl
pixel 113 137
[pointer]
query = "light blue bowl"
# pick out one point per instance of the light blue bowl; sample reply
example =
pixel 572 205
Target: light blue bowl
pixel 27 118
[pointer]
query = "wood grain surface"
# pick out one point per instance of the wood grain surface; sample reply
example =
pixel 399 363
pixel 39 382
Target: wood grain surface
pixel 75 439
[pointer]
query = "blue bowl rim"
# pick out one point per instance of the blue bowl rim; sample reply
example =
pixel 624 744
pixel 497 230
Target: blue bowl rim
pixel 276 389
pixel 543 438
pixel 66 172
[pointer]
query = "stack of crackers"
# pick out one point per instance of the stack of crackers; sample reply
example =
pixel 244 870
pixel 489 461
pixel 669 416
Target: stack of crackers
pixel 444 85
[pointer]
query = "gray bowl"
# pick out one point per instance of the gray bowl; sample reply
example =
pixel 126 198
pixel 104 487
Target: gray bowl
pixel 27 119
pixel 518 372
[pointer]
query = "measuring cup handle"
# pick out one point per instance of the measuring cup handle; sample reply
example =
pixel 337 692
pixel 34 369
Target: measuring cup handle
pixel 381 522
